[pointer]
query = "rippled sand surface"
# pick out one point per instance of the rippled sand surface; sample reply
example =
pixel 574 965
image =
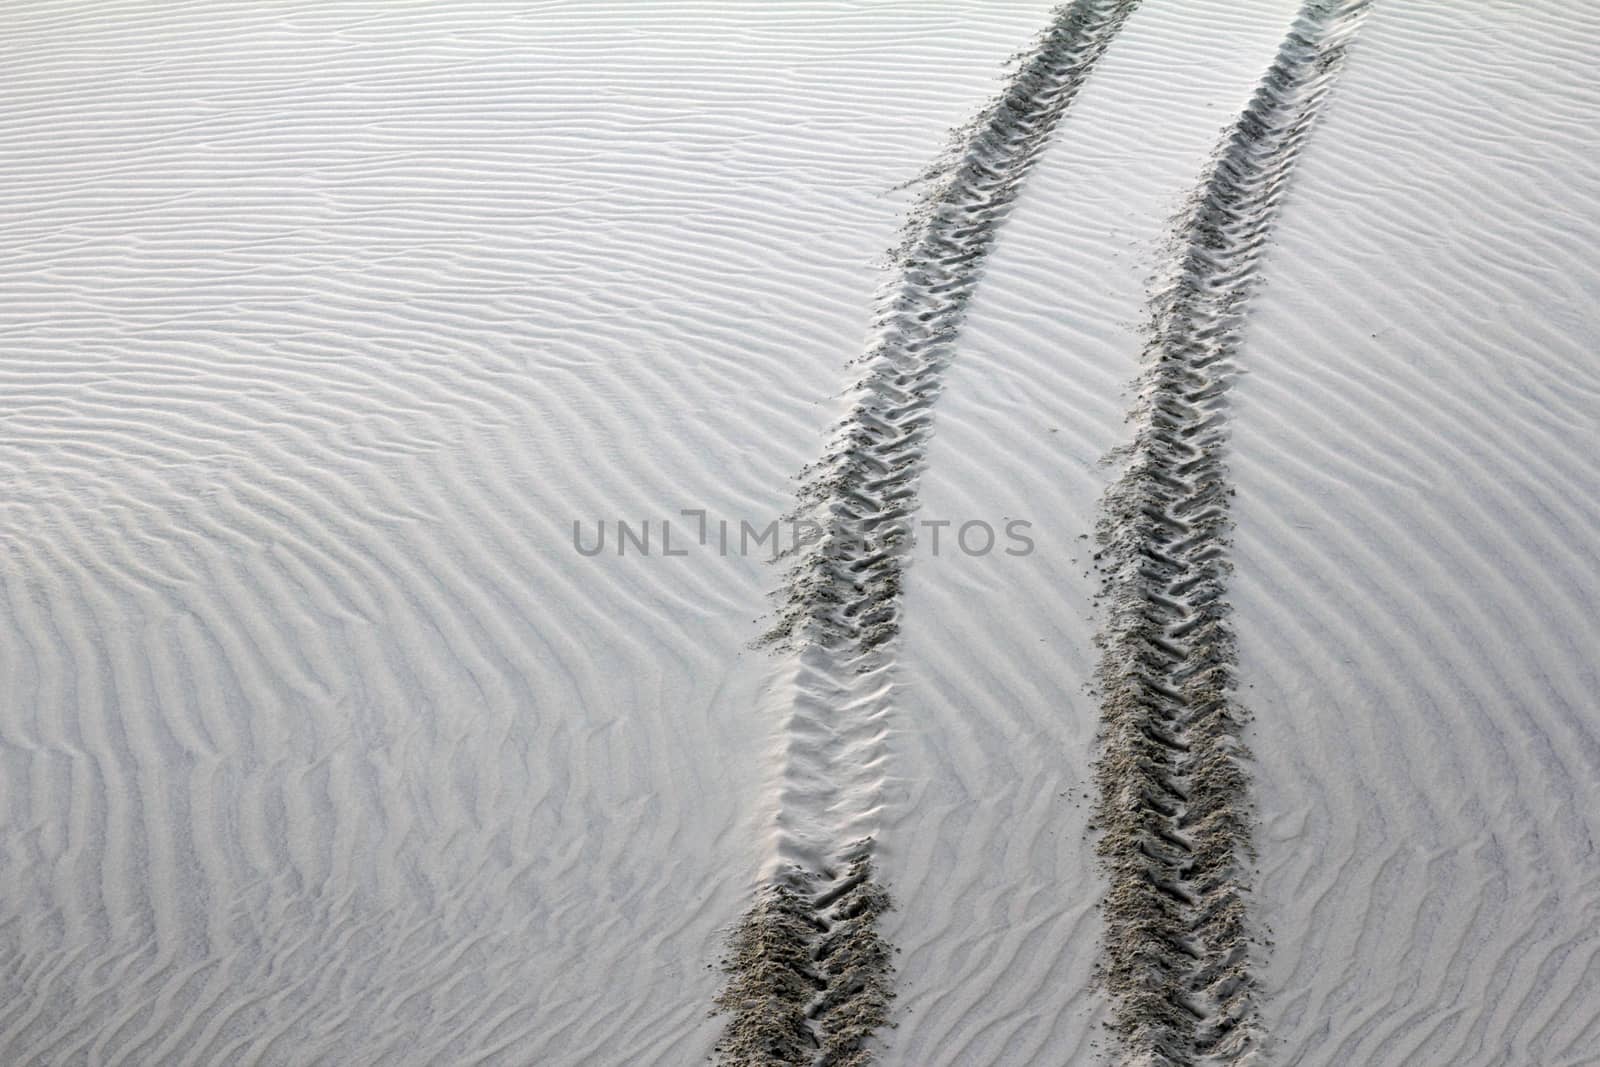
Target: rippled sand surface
pixel 322 324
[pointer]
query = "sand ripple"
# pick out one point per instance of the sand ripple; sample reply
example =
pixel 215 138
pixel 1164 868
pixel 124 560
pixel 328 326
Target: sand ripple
pixel 322 323
pixel 1416 563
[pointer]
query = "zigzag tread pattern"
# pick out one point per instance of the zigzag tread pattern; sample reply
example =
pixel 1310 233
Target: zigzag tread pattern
pixel 1173 808
pixel 808 973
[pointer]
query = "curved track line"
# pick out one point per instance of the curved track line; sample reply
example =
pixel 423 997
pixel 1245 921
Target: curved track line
pixel 808 972
pixel 1173 792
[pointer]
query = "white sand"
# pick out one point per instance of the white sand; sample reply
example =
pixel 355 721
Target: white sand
pixel 1417 564
pixel 321 323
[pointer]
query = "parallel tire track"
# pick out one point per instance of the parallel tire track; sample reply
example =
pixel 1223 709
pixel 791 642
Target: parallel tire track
pixel 1173 791
pixel 808 974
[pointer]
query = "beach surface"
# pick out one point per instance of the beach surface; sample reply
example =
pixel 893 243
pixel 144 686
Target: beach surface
pixel 395 401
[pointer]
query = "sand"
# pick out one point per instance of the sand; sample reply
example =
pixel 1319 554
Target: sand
pixel 322 324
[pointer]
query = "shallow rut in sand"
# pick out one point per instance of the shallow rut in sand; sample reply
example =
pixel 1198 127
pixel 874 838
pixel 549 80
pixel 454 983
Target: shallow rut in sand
pixel 1173 790
pixel 808 973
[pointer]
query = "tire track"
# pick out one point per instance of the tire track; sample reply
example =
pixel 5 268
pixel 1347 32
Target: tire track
pixel 1173 790
pixel 808 972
